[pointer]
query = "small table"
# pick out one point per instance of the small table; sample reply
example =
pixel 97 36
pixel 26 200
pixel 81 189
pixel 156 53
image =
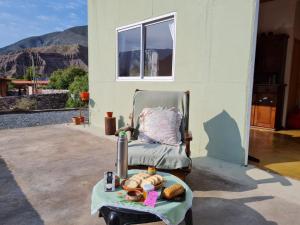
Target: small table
pixel 117 211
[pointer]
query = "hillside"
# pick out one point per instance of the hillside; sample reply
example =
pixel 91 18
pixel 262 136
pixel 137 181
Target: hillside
pixel 50 52
pixel 46 59
pixel 71 36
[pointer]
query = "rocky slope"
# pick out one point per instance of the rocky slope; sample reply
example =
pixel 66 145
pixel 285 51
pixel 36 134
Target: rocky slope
pixel 49 52
pixel 75 35
pixel 46 59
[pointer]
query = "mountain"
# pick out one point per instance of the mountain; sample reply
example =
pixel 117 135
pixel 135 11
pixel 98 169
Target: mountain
pixel 71 36
pixel 49 52
pixel 46 60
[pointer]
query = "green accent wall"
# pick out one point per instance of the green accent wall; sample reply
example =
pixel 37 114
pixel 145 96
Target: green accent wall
pixel 214 46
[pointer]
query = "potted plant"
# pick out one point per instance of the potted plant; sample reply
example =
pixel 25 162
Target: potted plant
pixel 109 114
pixel 79 95
pixel 76 120
pixel 81 118
pixel 84 96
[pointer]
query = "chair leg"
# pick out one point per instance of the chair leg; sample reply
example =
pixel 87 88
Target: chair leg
pixel 189 217
pixel 113 219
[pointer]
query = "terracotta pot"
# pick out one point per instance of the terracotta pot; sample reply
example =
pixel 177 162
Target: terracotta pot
pixel 81 118
pixel 76 120
pixel 109 114
pixel 84 96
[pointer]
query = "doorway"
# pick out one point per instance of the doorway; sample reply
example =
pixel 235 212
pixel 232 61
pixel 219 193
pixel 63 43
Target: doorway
pixel 294 89
pixel 275 113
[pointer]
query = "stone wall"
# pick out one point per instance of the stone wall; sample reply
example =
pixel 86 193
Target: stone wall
pixel 37 102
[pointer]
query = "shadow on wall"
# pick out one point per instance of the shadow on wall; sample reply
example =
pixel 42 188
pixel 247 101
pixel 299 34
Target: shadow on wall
pixel 92 103
pixel 224 139
pixel 15 208
pixel 121 122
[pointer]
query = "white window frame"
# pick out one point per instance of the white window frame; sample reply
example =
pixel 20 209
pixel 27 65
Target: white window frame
pixel 142 24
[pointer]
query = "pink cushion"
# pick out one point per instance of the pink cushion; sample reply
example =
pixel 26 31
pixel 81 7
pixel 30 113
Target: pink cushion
pixel 159 125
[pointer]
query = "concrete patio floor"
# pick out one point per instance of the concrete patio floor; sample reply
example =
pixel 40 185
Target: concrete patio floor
pixel 47 174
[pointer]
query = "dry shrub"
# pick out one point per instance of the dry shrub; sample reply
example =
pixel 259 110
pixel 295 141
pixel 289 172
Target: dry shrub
pixel 25 104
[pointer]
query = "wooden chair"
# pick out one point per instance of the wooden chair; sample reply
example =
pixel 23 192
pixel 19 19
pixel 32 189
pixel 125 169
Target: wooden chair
pixel 150 99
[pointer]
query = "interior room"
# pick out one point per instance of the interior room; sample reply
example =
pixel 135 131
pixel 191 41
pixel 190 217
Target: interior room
pixel 275 111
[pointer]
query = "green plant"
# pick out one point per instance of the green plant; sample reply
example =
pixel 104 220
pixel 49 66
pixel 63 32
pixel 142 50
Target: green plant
pixel 63 78
pixel 79 84
pixel 29 74
pixel 11 86
pixel 25 104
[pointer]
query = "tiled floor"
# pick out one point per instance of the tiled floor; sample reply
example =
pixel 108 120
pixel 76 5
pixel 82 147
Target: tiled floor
pixel 278 152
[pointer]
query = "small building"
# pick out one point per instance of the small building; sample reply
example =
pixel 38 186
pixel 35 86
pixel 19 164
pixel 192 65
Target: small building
pixel 4 86
pixel 28 87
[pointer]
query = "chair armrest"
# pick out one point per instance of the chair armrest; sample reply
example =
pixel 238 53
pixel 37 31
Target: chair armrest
pixel 188 136
pixel 187 139
pixel 127 128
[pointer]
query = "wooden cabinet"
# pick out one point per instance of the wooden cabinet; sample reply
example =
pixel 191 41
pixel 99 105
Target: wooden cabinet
pixel 252 115
pixel 264 116
pixel 266 108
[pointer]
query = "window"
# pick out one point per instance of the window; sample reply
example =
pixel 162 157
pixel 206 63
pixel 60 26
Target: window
pixel 146 50
pixel 129 45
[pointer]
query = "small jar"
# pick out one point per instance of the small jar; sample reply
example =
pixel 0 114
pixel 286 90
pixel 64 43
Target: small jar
pixel 151 170
pixel 146 189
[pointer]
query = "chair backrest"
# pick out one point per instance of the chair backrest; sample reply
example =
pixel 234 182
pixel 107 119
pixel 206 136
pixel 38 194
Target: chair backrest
pixel 150 99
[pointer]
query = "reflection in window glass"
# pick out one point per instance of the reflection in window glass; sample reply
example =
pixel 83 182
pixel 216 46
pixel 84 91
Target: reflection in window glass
pixel 158 51
pixel 129 48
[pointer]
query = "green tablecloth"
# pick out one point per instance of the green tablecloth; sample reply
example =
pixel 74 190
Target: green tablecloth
pixel 170 212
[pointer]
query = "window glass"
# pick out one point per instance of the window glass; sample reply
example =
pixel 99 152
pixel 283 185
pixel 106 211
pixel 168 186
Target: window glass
pixel 129 52
pixel 158 53
pixel 146 50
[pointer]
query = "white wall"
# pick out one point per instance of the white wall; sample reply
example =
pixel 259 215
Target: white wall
pixel 278 16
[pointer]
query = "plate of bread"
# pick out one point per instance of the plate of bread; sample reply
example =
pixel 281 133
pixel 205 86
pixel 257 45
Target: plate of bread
pixel 137 181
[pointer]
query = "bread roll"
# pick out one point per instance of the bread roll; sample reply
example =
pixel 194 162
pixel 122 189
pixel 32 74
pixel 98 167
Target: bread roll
pixel 131 183
pixel 140 179
pixel 142 175
pixel 173 191
pixel 159 178
pixel 152 180
pixel 137 179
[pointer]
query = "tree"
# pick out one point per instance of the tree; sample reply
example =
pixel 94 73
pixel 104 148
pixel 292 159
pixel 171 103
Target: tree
pixel 73 79
pixel 79 84
pixel 11 86
pixel 62 78
pixel 29 74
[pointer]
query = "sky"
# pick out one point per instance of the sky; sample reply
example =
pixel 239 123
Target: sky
pixel 20 19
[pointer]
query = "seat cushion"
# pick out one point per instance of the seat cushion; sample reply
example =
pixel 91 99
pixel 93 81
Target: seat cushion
pixel 158 155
